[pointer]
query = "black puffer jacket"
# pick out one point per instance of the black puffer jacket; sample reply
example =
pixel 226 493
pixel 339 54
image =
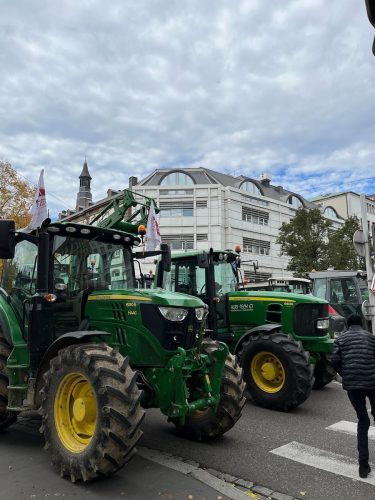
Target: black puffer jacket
pixel 353 358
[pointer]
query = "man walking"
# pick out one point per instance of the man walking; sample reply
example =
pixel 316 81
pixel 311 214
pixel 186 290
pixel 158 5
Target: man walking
pixel 353 358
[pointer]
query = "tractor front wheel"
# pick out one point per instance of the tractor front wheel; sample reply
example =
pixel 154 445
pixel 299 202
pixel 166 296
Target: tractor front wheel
pixel 324 372
pixel 91 411
pixel 7 417
pixel 209 424
pixel 276 370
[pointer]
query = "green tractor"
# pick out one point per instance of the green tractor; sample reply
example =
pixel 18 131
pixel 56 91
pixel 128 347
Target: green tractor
pixel 281 339
pixel 80 342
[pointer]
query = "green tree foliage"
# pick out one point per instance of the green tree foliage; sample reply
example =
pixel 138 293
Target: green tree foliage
pixel 16 197
pixel 305 240
pixel 340 250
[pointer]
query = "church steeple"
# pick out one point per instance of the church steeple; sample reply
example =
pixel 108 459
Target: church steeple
pixel 84 196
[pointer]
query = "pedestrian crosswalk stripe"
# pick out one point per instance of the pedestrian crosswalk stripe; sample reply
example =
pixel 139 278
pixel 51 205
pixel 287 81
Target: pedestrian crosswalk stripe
pixel 324 460
pixel 350 428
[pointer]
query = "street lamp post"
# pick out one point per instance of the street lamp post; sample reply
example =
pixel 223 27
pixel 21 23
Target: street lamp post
pixel 370 307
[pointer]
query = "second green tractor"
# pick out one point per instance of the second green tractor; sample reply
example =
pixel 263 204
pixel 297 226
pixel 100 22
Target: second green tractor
pixel 282 340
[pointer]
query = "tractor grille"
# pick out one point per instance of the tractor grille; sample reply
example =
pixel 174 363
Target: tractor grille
pixel 171 334
pixel 305 318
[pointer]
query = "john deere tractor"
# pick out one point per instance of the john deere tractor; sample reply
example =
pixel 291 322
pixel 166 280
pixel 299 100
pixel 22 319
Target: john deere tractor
pixel 78 341
pixel 281 339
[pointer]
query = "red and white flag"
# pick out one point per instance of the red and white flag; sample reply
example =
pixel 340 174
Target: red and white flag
pixel 153 238
pixel 39 210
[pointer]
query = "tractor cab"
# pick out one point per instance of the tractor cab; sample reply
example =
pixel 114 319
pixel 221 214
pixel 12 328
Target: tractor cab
pixel 210 276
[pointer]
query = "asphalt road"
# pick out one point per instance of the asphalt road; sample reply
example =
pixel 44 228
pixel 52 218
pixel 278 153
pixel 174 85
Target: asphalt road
pixel 244 452
pixel 26 473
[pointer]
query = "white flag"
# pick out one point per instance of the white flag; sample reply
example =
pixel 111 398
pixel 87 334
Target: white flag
pixel 39 209
pixel 153 238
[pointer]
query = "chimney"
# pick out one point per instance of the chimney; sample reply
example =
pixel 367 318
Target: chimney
pixel 132 182
pixel 111 192
pixel 265 179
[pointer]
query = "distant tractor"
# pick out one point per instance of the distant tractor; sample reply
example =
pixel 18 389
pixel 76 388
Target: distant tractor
pixel 79 341
pixel 281 339
pixel 346 291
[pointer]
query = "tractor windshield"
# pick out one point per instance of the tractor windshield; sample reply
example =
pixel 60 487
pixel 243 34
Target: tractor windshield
pixel 187 277
pixel 80 264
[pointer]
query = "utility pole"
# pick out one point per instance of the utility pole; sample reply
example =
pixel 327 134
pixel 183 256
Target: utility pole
pixel 369 308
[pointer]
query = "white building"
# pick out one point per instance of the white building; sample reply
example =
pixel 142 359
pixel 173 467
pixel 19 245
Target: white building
pixel 200 208
pixel 347 204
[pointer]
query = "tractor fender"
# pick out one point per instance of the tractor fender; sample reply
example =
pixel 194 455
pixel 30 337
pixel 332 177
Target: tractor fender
pixel 269 327
pixel 61 342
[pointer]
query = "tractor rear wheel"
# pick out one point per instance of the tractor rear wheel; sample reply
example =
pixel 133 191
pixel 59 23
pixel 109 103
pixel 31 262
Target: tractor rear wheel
pixel 91 411
pixel 209 424
pixel 324 372
pixel 7 417
pixel 276 370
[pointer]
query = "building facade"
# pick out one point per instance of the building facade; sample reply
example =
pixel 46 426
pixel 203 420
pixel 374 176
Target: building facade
pixel 201 208
pixel 347 204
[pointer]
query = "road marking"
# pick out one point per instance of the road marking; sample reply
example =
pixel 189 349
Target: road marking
pixel 350 428
pixel 324 460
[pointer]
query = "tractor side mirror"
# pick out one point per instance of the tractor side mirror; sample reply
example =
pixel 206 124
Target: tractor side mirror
pixel 166 260
pixel 202 260
pixel 7 239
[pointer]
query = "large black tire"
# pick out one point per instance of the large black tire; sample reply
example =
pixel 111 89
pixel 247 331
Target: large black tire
pixel 91 411
pixel 324 372
pixel 207 424
pixel 276 370
pixel 7 417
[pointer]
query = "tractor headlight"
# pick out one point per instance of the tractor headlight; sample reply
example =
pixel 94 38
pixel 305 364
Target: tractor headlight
pixel 201 313
pixel 322 324
pixel 173 313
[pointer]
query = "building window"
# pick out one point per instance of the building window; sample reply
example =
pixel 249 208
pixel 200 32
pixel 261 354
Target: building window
pixel 176 179
pixel 251 187
pixel 202 237
pixel 252 276
pixel 176 192
pixel 258 247
pixel 294 201
pixel 201 203
pixel 331 212
pixel 255 216
pixel 176 208
pixel 179 242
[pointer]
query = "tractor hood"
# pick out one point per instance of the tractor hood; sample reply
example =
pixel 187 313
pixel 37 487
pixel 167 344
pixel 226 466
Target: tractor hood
pixel 157 296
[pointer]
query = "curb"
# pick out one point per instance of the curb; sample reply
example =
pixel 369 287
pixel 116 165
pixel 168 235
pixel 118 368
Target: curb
pixel 233 487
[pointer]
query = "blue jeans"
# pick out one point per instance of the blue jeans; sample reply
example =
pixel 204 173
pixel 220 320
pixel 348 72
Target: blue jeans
pixel 358 400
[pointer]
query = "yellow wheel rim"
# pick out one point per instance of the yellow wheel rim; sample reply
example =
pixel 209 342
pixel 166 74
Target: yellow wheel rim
pixel 267 372
pixel 75 412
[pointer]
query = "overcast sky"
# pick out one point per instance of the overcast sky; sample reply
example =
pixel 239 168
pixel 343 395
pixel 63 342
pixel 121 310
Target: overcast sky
pixel 243 87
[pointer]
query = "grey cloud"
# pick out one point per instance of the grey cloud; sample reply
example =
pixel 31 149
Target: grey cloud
pixel 248 86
